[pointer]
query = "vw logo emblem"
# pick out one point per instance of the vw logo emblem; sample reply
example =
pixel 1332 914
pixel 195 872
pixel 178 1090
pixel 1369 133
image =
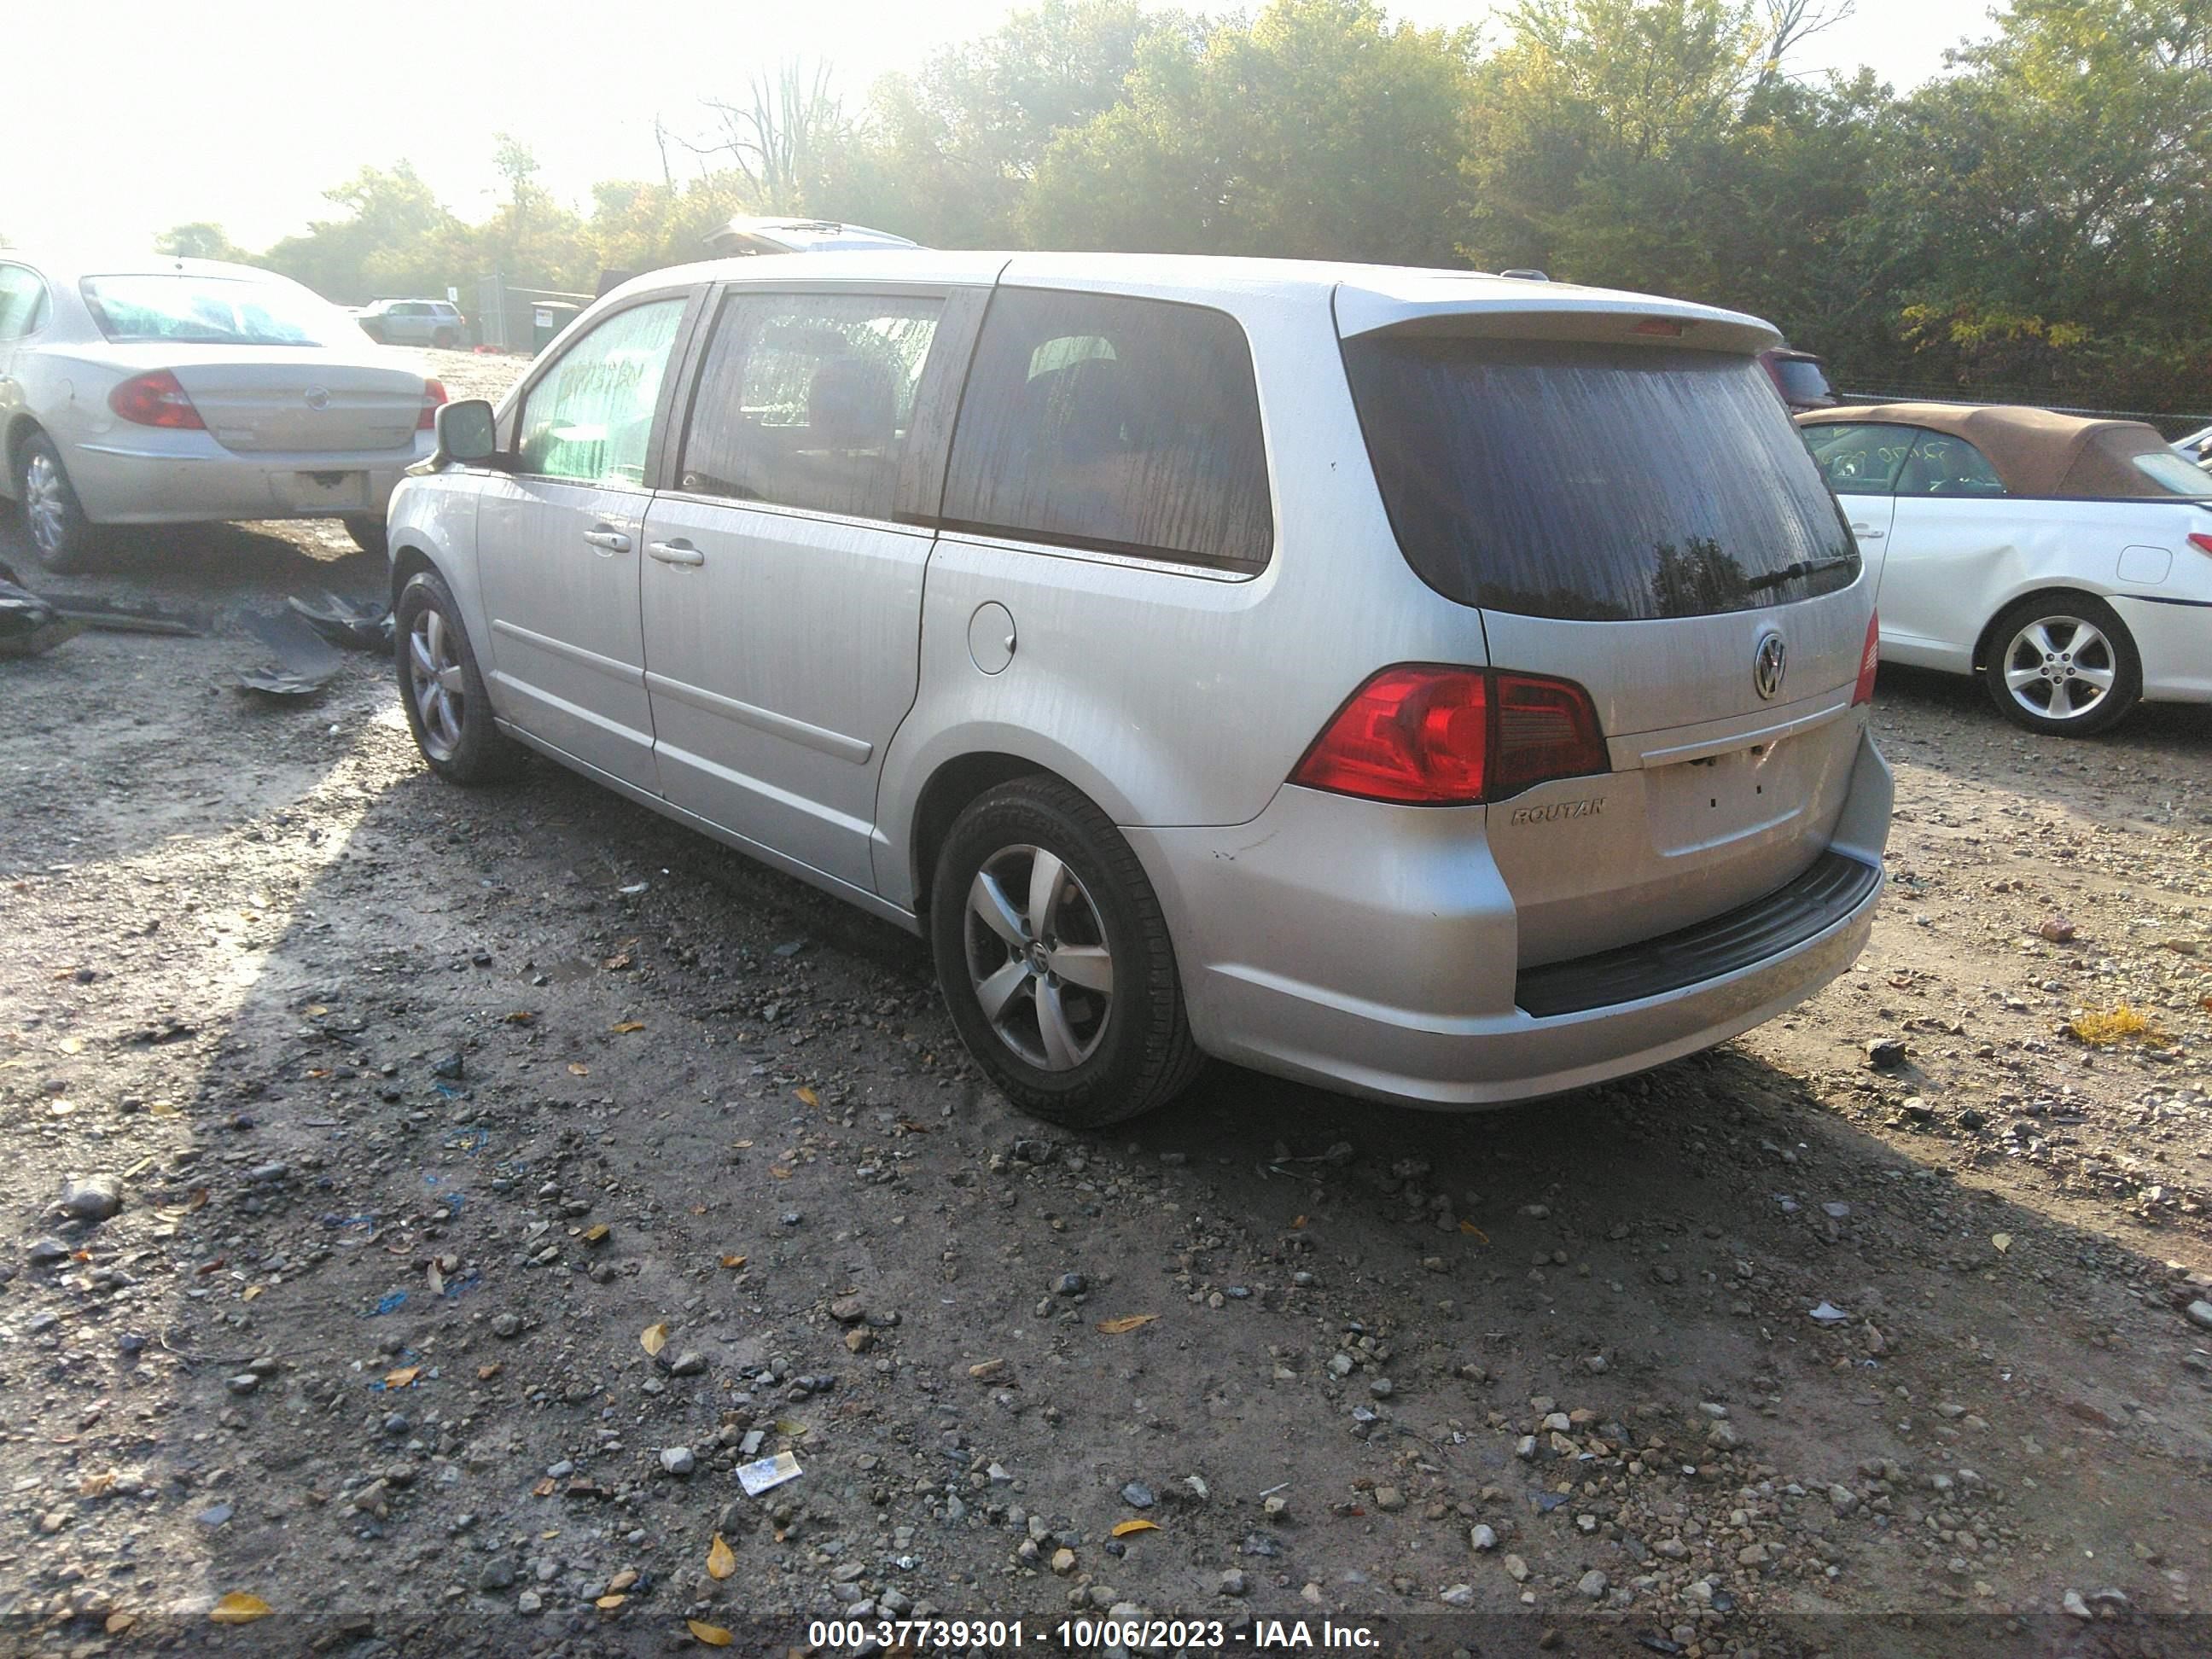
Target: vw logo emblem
pixel 1769 665
pixel 317 396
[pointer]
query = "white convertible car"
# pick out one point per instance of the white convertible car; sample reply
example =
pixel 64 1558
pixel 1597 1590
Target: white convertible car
pixel 2067 561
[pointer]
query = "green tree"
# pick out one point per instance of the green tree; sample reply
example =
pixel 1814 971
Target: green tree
pixel 395 237
pixel 201 239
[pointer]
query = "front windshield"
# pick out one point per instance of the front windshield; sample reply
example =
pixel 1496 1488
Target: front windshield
pixel 208 311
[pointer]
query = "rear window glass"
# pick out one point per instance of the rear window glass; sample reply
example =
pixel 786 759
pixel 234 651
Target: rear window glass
pixel 1595 482
pixel 2170 473
pixel 1802 380
pixel 1131 426
pixel 210 311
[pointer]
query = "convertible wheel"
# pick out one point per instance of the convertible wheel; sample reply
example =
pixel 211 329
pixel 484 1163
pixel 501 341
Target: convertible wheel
pixel 2063 663
pixel 61 537
pixel 442 691
pixel 1055 960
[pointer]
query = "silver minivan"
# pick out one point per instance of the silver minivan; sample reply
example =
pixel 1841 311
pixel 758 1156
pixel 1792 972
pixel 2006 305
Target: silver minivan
pixel 1443 687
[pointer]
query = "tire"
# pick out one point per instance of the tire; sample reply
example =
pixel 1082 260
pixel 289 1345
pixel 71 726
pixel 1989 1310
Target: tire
pixel 61 537
pixel 443 689
pixel 445 339
pixel 368 533
pixel 2045 651
pixel 1117 1048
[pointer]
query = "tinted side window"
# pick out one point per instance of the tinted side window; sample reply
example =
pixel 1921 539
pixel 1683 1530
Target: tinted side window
pixel 591 416
pixel 1944 465
pixel 1859 457
pixel 805 400
pixel 1099 421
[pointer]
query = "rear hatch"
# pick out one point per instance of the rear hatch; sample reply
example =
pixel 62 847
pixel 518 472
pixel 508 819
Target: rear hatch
pixel 1629 508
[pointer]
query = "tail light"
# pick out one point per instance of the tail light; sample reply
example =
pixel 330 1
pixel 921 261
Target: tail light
pixel 1868 659
pixel 2200 541
pixel 433 393
pixel 156 398
pixel 1426 735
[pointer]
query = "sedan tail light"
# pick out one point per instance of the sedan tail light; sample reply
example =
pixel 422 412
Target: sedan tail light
pixel 433 393
pixel 1427 735
pixel 156 398
pixel 2200 541
pixel 1869 657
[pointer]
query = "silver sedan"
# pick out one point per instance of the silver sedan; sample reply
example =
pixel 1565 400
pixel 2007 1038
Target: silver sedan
pixel 170 390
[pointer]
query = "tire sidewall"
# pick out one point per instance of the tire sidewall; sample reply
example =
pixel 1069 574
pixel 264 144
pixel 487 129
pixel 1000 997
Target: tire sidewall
pixel 484 753
pixel 2127 683
pixel 76 532
pixel 1101 1089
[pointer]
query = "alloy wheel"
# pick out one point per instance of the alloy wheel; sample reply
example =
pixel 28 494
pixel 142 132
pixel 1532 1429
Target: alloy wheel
pixel 2060 668
pixel 1037 957
pixel 45 504
pixel 435 681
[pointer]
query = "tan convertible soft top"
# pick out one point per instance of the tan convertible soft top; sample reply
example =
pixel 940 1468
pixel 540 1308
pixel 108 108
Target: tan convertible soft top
pixel 2034 451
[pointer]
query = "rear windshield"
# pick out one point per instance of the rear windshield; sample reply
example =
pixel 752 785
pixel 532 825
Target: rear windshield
pixel 2171 473
pixel 1599 483
pixel 208 311
pixel 1802 380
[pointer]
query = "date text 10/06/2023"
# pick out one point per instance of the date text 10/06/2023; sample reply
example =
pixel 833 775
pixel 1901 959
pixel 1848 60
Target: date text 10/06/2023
pixel 1259 1634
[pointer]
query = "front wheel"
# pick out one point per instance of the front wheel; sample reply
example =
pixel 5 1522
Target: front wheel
pixel 443 689
pixel 2063 663
pixel 61 537
pixel 1055 960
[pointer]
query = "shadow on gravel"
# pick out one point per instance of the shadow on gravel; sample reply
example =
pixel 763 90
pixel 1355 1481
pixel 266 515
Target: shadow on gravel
pixel 203 570
pixel 624 998
pixel 2180 732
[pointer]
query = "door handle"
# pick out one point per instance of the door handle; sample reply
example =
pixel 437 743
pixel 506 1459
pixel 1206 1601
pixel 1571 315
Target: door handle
pixel 675 553
pixel 1865 534
pixel 613 540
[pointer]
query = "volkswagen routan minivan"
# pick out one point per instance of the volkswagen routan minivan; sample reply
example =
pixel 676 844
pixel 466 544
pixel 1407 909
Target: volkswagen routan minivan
pixel 1442 688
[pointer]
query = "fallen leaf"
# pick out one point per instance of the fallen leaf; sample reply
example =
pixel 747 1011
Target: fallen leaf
pixel 1123 1528
pixel 318 1011
pixel 97 1486
pixel 733 1261
pixel 619 961
pixel 545 1488
pixel 198 1198
pixel 522 1017
pixel 790 1427
pixel 1469 1228
pixel 609 1604
pixel 654 1338
pixel 2003 1240
pixel 576 1070
pixel 253 1291
pixel 713 1635
pixel 404 1377
pixel 780 1171
pixel 74 1045
pixel 742 1146
pixel 721 1560
pixel 623 1028
pixel 1116 1326
pixel 598 1234
pixel 119 1622
pixel 808 1096
pixel 485 1373
pixel 239 1608
pixel 1297 1221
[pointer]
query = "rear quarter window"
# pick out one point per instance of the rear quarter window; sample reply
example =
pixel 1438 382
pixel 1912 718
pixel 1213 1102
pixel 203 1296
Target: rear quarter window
pixel 1127 425
pixel 1594 482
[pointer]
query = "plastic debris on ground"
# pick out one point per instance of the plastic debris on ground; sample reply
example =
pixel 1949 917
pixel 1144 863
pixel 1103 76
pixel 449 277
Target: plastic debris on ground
pixel 769 1471
pixel 303 662
pixel 30 626
pixel 355 624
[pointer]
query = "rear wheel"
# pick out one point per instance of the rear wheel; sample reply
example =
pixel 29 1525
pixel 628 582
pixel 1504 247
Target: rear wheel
pixel 2063 663
pixel 1055 959
pixel 445 339
pixel 443 689
pixel 61 537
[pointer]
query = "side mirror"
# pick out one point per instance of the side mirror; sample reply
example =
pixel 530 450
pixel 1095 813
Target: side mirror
pixel 468 434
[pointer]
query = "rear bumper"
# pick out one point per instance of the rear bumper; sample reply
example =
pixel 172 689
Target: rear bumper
pixel 1373 949
pixel 186 478
pixel 2174 639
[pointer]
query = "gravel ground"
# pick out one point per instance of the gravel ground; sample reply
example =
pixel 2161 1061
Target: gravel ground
pixel 493 1173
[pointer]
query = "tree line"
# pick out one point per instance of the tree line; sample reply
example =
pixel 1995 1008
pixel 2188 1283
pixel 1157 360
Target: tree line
pixel 2030 223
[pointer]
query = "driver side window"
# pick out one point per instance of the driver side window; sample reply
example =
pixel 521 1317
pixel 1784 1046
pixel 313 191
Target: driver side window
pixel 590 418
pixel 1945 465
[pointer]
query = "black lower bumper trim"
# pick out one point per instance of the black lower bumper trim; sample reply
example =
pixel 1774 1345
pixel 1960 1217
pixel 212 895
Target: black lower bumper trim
pixel 1816 901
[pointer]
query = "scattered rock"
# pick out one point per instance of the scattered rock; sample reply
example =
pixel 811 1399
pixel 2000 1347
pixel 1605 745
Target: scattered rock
pixel 677 1460
pixel 92 1198
pixel 1139 1496
pixel 1482 1538
pixel 1592 1585
pixel 1885 1054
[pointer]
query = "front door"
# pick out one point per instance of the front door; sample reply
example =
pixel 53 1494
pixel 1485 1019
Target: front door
pixel 783 596
pixel 559 544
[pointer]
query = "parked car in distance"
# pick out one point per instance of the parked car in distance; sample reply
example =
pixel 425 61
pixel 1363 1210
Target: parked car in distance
pixel 1800 378
pixel 169 391
pixel 2197 448
pixel 413 322
pixel 1248 659
pixel 2066 560
pixel 746 235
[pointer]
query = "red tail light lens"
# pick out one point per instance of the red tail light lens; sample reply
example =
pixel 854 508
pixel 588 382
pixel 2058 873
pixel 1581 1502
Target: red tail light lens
pixel 1426 735
pixel 1868 658
pixel 156 398
pixel 2200 541
pixel 433 393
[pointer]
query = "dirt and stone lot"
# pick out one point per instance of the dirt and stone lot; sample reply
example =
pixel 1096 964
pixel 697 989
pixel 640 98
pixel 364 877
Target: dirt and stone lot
pixel 491 1174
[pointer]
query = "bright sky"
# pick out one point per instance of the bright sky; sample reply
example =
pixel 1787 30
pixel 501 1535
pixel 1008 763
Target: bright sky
pixel 123 119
